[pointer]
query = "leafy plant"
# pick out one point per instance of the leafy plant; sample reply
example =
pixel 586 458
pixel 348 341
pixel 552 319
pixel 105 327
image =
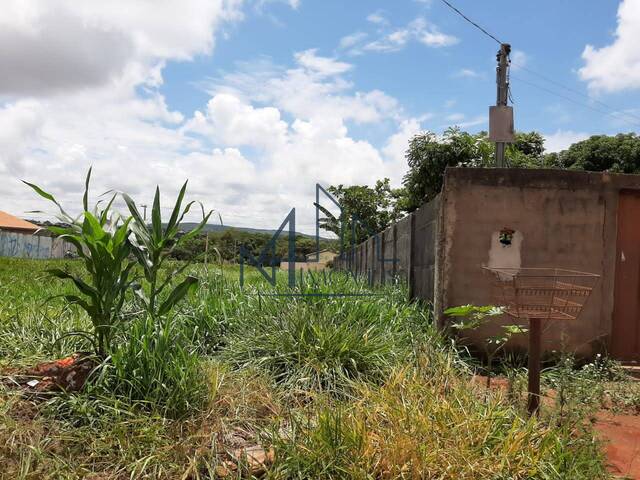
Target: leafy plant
pixel 101 241
pixel 152 246
pixel 471 317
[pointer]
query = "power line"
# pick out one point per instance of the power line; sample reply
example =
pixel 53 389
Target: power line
pixel 573 100
pixel 577 92
pixel 611 111
pixel 471 21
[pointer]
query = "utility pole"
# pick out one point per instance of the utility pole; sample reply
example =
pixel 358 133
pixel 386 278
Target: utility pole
pixel 502 80
pixel 145 212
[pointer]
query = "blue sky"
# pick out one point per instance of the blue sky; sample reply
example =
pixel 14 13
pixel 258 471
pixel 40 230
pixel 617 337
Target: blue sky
pixel 256 101
pixel 447 82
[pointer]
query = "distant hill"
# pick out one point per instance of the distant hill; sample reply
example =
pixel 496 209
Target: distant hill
pixel 187 226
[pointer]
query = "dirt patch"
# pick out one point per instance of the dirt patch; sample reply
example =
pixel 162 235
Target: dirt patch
pixel 622 434
pixel 66 374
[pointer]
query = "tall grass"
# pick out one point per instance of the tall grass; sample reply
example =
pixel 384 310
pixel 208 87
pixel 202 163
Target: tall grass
pixel 341 387
pixel 326 343
pixel 158 368
pixel 413 427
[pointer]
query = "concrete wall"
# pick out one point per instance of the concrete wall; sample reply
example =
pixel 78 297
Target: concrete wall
pixel 27 245
pixel 561 219
pixel 405 250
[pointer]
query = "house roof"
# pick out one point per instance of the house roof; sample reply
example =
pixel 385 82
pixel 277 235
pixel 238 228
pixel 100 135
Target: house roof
pixel 9 222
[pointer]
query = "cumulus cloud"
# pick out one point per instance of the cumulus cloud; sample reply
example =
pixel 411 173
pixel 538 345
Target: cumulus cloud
pixel 616 67
pixel 313 88
pixel 48 47
pixel 562 139
pixel 266 135
pixel 229 121
pixel 315 145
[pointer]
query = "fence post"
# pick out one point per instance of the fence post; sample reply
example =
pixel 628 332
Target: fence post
pixel 382 257
pixel 410 273
pixel 373 259
pixel 394 251
pixel 365 253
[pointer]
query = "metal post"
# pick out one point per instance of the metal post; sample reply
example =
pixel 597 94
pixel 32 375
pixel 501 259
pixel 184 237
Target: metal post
pixel 206 249
pixel 535 348
pixel 502 80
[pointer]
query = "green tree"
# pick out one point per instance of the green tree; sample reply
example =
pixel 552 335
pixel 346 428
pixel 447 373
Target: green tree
pixel 618 154
pixel 374 209
pixel 429 155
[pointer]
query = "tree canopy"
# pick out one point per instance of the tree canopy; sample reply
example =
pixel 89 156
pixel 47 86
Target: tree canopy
pixel 617 154
pixel 374 209
pixel 429 155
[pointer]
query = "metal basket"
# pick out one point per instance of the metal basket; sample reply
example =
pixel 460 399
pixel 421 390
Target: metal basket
pixel 543 293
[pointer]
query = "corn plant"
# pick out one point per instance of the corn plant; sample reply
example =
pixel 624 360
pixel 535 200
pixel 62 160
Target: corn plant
pixel 152 246
pixel 101 241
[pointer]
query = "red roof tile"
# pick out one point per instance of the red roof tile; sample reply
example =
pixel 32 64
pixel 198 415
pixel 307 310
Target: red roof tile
pixel 9 222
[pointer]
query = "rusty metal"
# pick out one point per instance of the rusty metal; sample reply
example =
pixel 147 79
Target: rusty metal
pixel 544 293
pixel 625 334
pixel 538 294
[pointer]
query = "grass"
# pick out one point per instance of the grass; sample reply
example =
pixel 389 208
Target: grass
pixel 340 387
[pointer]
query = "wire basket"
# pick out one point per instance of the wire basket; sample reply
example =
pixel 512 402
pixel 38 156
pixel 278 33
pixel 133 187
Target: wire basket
pixel 544 293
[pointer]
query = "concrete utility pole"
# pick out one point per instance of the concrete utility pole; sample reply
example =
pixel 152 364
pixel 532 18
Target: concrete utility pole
pixel 502 80
pixel 145 212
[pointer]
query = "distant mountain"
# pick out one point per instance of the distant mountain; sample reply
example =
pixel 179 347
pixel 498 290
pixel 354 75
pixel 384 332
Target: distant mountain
pixel 187 226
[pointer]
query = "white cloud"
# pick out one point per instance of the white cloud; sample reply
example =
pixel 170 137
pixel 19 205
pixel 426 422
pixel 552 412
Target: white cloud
pixel 314 88
pixel 377 18
pixel 231 122
pixel 267 134
pixel 616 67
pixel 473 122
pixel 467 73
pixel 519 59
pixel 324 66
pixel 352 40
pixel 419 30
pixel 562 139
pixel 396 148
pixel 48 47
pixel 435 38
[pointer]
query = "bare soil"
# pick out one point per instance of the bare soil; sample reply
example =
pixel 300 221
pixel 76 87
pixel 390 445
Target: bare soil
pixel 622 434
pixel 619 432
